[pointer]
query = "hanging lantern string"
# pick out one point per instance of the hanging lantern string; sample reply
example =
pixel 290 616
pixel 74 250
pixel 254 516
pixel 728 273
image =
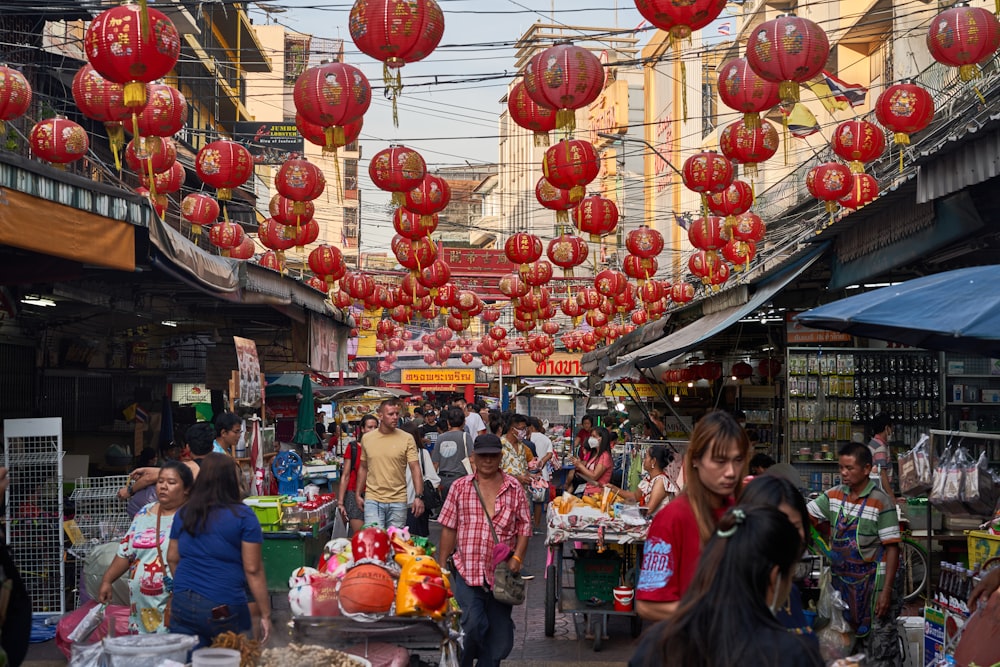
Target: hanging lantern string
pixel 146 27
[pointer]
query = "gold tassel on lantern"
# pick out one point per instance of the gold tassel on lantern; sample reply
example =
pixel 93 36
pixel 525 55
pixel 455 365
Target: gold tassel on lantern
pixel 116 141
pixel 788 91
pixel 562 217
pixel 751 120
pixel 566 118
pixel 393 80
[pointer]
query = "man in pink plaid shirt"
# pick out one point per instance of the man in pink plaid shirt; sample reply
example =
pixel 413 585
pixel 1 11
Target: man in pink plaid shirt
pixel 468 551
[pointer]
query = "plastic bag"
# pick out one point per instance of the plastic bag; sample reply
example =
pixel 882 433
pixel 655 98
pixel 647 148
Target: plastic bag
pixel 449 654
pixel 87 655
pixel 836 640
pixel 915 475
pixel 978 492
pixel 88 624
pixel 946 492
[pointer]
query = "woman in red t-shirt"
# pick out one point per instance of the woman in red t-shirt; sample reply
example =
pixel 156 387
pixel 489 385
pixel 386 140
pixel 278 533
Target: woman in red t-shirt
pixel 714 467
pixel 596 467
pixel 349 509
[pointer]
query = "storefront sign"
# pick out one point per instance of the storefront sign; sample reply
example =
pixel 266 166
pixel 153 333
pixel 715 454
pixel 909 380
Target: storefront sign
pixel 327 345
pixel 270 143
pixel 558 365
pixel 438 376
pixel 185 394
pixel 640 390
pixel 795 333
pixel 249 367
pixel 477 261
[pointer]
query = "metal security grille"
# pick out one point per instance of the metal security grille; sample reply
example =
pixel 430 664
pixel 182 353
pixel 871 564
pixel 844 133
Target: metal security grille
pixel 33 453
pixel 101 515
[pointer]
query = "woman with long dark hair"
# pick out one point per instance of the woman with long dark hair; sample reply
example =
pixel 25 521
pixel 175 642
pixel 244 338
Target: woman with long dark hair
pixel 714 467
pixel 215 554
pixel 726 618
pixel 347 502
pixel 659 489
pixel 597 465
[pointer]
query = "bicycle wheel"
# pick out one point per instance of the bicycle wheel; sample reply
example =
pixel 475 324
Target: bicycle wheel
pixel 915 571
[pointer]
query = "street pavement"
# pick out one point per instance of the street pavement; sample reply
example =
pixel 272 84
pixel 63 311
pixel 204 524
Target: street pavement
pixel 531 647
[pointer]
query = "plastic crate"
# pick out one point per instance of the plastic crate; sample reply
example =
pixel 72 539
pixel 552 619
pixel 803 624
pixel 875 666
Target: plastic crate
pixel 596 578
pixel 269 510
pixel 982 546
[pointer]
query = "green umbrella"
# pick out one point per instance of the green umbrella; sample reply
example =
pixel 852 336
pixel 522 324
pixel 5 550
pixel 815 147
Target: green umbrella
pixel 305 422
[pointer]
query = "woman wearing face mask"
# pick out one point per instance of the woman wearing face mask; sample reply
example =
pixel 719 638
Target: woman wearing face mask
pixel 516 455
pixel 597 466
pixel 726 618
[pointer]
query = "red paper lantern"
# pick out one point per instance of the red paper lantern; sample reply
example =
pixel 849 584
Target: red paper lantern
pixel 596 216
pixel 411 290
pixel 361 286
pixel 681 292
pixel 596 319
pixel 165 112
pixel 680 19
pixel 788 50
pixel 513 286
pixel 282 209
pixel 530 115
pixel 224 165
pixel 905 109
pixel 708 233
pixel 640 268
pixel 732 202
pixel 305 234
pixel 167 181
pixel 749 227
pixel 270 260
pixel 651 291
pixel 644 242
pixel 963 37
pixel 272 234
pixel 299 180
pixel 467 358
pixel 398 170
pixel 538 273
pixel 199 210
pixel 564 77
pixel 589 298
pixel 447 296
pixel 556 199
pixel 327 262
pixel 413 254
pixel 769 367
pixel 748 145
pixel 435 275
pixel 551 328
pixel 412 225
pixel 741 370
pixel 742 89
pixel 396 32
pixel 156 154
pixel 58 140
pixel 639 317
pixel 159 202
pixel 609 282
pixel 315 134
pixel 429 198
pixel 739 253
pixel 332 96
pixel 226 235
pixel 863 191
pixel 97 98
pixel 245 250
pixel 15 94
pixel 131 51
pixel 523 248
pixel 829 182
pixel 567 251
pixel 707 172
pixel 339 298
pixel 570 165
pixel 857 142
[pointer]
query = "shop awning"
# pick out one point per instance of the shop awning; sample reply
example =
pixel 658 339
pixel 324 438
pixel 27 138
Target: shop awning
pixel 711 324
pixel 599 360
pixel 216 275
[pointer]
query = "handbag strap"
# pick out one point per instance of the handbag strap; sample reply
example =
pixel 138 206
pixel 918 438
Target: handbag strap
pixel 475 483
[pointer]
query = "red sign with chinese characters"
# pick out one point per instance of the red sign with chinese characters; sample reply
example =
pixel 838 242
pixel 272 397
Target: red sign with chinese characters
pixel 477 261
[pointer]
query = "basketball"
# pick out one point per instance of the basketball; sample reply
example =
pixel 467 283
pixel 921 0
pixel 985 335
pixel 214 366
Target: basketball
pixel 367 589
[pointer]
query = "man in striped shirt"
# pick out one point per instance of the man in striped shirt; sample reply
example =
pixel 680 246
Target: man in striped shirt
pixel 864 542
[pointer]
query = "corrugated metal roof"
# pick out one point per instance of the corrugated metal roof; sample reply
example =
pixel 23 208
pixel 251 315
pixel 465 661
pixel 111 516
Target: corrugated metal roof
pixel 977 160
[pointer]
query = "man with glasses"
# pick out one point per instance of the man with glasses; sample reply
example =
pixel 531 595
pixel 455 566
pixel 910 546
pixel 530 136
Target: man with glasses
pixel 228 430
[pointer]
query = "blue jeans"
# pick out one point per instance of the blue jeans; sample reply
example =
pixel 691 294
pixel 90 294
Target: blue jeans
pixel 191 614
pixel 385 514
pixel 488 626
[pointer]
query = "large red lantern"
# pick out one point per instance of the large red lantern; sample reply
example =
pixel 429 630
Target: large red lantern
pixel 644 242
pixel 788 50
pixel 749 227
pixel 58 140
pixel 132 45
pixel 742 89
pixel 429 198
pixel 199 210
pixel 652 290
pixel 748 145
pixel 596 216
pixel 556 199
pixel 681 292
pixel 863 191
pixel 857 142
pixel 15 94
pixel 316 134
pixel 226 235
pixel 905 109
pixel 963 37
pixel 709 233
pixel 435 275
pixel 739 253
pixel 97 98
pixel 709 267
pixel 165 112
pixel 680 19
pixel 414 254
pixel 282 209
pixel 396 32
pixel 570 165
pixel 167 181
pixel 527 113
pixel 332 96
pixel 610 283
pixel 150 154
pixel 523 248
pixel 245 250
pixel 707 172
pixel 327 262
pixel 305 234
pixel 829 182
pixel 731 202
pixel 225 165
pixel 270 260
pixel 567 251
pixel 513 286
pixel 271 234
pixel 538 273
pixel 159 202
pixel 639 268
pixel 398 170
pixel 411 289
pixel 564 77
pixel 411 225
pixel 299 180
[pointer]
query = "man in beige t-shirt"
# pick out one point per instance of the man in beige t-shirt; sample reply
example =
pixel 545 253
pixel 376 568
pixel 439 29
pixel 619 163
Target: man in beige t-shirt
pixel 385 455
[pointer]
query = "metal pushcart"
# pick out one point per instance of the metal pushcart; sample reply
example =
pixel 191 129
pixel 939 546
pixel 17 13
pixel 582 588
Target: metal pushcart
pixel 596 571
pixel 418 635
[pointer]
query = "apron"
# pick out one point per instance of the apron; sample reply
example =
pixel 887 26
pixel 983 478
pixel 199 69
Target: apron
pixel 853 576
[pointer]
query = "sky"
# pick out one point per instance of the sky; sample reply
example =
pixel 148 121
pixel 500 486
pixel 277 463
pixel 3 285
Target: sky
pixel 449 119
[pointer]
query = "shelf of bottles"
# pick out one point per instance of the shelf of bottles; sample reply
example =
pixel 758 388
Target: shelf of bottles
pixel 834 393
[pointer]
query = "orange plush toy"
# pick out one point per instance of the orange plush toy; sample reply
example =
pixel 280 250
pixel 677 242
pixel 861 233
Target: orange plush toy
pixel 422 590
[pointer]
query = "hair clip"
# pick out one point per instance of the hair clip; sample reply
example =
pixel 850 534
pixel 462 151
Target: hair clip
pixel 739 516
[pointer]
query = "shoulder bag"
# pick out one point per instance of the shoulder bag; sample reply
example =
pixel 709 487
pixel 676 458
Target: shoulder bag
pixel 431 496
pixel 508 586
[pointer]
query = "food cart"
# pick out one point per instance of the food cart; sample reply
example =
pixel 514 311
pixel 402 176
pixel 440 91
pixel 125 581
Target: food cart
pixel 598 569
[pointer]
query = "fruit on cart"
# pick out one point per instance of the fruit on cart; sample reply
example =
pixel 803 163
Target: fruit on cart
pixel 370 545
pixel 422 590
pixel 367 589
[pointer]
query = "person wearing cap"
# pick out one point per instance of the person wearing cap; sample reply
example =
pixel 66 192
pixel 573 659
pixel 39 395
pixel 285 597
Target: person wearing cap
pixel 467 549
pixel 430 429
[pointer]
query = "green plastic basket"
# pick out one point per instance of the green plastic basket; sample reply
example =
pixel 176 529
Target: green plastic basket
pixel 596 578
